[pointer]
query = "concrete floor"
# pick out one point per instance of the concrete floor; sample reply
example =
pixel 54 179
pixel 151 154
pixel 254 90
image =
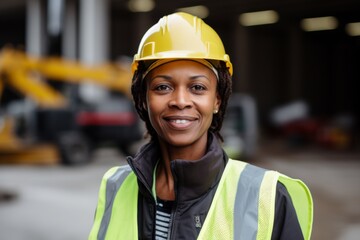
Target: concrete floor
pixel 56 202
pixel 52 202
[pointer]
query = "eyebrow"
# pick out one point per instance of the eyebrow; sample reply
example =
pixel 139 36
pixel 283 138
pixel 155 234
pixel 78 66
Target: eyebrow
pixel 167 77
pixel 199 76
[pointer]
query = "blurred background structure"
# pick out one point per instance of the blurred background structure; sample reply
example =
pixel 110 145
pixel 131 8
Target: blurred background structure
pixel 64 75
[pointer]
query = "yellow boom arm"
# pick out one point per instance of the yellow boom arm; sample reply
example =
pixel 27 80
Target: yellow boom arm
pixel 26 74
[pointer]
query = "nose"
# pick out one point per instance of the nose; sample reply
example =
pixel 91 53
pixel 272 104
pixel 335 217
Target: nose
pixel 180 99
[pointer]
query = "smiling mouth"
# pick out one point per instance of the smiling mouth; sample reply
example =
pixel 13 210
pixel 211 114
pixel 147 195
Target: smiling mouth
pixel 177 122
pixel 180 121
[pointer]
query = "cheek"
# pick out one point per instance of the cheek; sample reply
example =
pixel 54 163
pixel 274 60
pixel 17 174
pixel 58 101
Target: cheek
pixel 152 103
pixel 153 109
pixel 212 104
pixel 206 107
pixel 149 103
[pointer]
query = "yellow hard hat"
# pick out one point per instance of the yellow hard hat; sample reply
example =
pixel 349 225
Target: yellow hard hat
pixel 181 36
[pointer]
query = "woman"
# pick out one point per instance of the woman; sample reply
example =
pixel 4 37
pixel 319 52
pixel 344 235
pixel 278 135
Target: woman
pixel 182 185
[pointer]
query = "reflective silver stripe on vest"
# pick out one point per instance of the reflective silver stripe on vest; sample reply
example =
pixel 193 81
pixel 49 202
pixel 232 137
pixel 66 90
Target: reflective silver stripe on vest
pixel 246 208
pixel 113 184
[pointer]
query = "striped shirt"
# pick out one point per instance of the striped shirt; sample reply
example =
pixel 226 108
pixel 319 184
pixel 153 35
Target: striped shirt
pixel 162 220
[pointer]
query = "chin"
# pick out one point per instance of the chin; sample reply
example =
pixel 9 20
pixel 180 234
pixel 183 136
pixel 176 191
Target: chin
pixel 182 140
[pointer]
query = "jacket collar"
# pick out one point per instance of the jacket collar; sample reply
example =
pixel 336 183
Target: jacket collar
pixel 192 178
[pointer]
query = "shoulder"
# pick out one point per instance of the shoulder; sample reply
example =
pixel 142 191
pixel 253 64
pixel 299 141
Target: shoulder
pixel 283 198
pixel 286 221
pixel 253 172
pixel 113 179
pixel 116 173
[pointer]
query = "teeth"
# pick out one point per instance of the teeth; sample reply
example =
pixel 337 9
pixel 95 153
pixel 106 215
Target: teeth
pixel 181 121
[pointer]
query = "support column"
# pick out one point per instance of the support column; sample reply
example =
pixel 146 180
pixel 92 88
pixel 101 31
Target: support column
pixel 69 44
pixel 93 43
pixel 34 27
pixel 35 42
pixel 94 31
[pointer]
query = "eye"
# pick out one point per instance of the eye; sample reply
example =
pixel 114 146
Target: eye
pixel 198 88
pixel 162 88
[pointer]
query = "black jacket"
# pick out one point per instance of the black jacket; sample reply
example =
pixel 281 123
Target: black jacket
pixel 195 186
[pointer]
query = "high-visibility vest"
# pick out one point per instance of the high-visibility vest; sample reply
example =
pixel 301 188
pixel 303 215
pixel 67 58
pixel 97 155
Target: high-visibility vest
pixel 244 212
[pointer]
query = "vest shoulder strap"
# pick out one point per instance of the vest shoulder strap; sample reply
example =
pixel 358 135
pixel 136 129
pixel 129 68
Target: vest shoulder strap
pixel 117 206
pixel 302 201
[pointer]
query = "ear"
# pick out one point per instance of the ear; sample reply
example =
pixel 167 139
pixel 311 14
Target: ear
pixel 217 101
pixel 145 106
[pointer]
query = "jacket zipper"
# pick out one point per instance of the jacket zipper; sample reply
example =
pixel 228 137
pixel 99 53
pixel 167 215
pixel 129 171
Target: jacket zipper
pixel 171 223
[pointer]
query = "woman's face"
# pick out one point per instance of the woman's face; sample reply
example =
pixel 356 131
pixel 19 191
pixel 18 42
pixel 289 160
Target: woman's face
pixel 181 99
